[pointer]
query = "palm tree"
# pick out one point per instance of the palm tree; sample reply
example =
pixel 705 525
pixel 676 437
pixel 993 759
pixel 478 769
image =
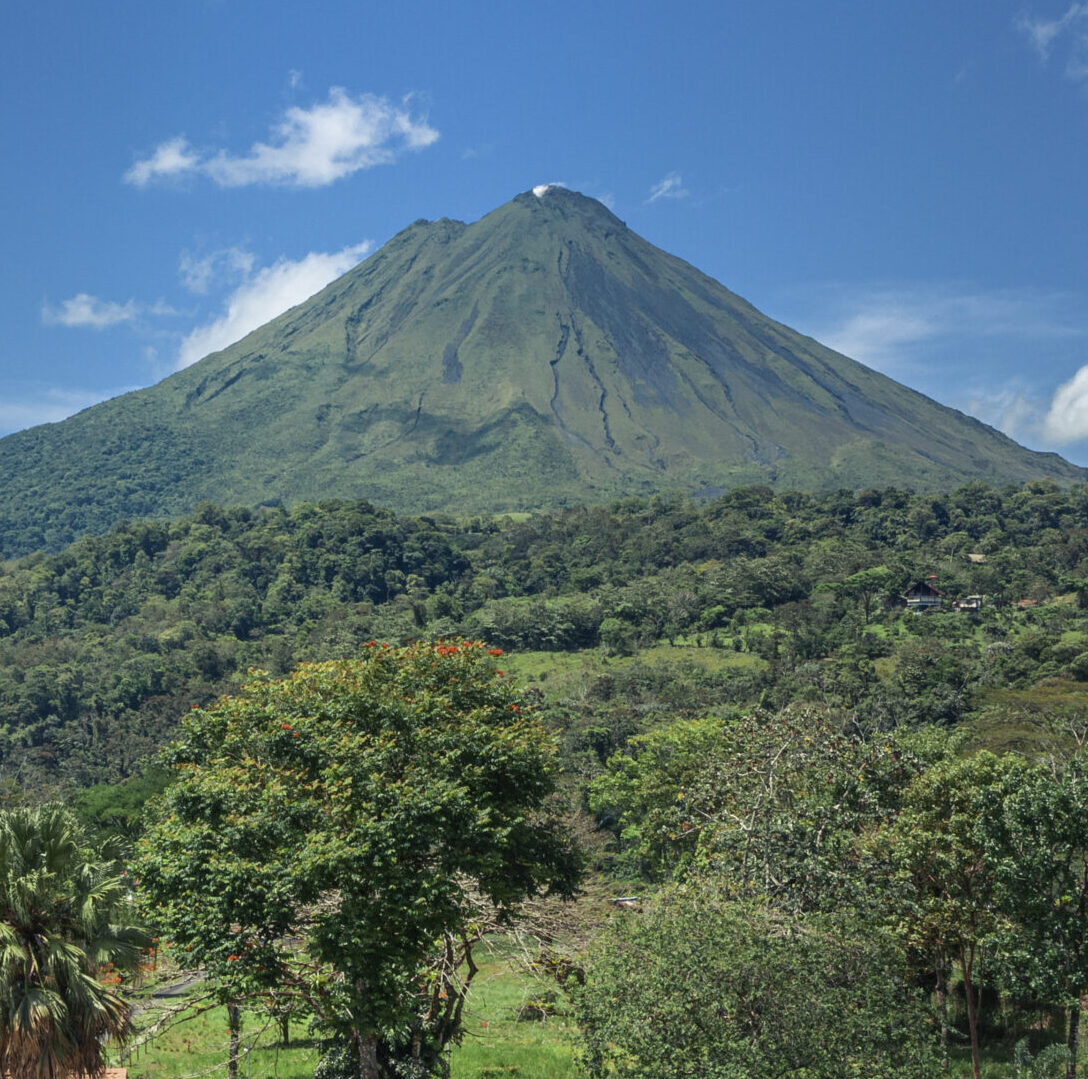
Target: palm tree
pixel 62 921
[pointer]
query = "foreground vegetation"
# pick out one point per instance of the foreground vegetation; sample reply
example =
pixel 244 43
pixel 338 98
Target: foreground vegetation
pixel 885 811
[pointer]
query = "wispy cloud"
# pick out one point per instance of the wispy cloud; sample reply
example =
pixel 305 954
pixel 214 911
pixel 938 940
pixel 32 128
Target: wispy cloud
pixel 310 147
pixel 1070 29
pixel 174 157
pixel 891 328
pixel 671 187
pixel 876 334
pixel 264 295
pixel 227 264
pixel 87 312
pixel 997 354
pixel 1010 408
pixel 84 311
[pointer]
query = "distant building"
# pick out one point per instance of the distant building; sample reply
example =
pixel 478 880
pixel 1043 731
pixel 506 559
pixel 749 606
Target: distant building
pixel 970 604
pixel 923 596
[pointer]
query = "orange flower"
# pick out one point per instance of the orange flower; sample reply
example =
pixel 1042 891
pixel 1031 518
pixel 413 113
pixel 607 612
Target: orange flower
pixel 494 651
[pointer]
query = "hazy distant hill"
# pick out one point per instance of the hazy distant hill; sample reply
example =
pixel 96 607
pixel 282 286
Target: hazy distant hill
pixel 544 355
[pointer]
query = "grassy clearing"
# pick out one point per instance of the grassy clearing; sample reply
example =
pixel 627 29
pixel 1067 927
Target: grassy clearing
pixel 498 1043
pixel 198 1046
pixel 555 667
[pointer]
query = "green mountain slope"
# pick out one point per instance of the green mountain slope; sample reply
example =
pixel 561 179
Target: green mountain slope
pixel 544 355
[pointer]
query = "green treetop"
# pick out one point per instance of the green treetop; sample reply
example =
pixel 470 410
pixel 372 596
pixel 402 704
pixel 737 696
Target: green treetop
pixel 328 835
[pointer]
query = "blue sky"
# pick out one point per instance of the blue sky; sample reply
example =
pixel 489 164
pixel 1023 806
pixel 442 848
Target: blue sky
pixel 904 181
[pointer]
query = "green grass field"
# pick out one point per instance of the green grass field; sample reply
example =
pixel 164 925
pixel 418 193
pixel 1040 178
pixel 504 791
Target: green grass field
pixel 497 1042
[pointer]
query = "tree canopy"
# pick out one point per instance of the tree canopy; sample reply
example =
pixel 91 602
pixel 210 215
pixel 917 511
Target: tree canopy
pixel 329 834
pixel 704 987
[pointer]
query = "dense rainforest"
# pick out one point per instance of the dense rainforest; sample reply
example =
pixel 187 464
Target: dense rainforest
pixel 764 598
pixel 755 720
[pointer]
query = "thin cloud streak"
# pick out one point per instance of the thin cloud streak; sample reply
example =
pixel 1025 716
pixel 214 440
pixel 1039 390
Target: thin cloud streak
pixel 309 148
pixel 887 328
pixel 670 187
pixel 1010 409
pixel 229 264
pixel 996 354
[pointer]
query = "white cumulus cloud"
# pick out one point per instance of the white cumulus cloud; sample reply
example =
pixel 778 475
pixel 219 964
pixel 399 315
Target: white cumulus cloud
pixel 310 147
pixel 264 295
pixel 1067 419
pixel 84 311
pixel 171 158
pixel 671 187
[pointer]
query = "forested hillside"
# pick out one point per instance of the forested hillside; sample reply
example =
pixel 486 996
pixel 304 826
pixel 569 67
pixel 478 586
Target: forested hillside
pixel 679 608
pixel 751 720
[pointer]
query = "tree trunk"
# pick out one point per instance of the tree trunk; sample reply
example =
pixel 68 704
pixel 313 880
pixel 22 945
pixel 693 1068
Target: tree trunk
pixel 285 1030
pixel 942 1011
pixel 234 1022
pixel 369 1068
pixel 972 1013
pixel 1073 1040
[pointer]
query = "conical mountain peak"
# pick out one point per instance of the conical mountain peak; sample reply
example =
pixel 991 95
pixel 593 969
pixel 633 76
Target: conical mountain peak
pixel 544 354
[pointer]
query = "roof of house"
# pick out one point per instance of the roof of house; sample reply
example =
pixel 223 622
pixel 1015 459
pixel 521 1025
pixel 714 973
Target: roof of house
pixel 924 587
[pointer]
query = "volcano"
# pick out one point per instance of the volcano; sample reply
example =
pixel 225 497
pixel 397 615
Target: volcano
pixel 543 355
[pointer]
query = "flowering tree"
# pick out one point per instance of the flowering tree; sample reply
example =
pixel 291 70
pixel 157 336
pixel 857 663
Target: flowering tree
pixel 338 836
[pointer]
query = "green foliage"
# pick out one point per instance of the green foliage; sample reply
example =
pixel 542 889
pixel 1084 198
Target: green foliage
pixel 104 646
pixel 66 936
pixel 947 903
pixel 118 809
pixel 375 809
pixel 774 805
pixel 1036 829
pixel 700 986
pixel 1048 1063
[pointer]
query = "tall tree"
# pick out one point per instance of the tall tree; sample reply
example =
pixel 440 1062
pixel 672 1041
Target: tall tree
pixel 1037 828
pixel 368 808
pixel 65 928
pixel 945 870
